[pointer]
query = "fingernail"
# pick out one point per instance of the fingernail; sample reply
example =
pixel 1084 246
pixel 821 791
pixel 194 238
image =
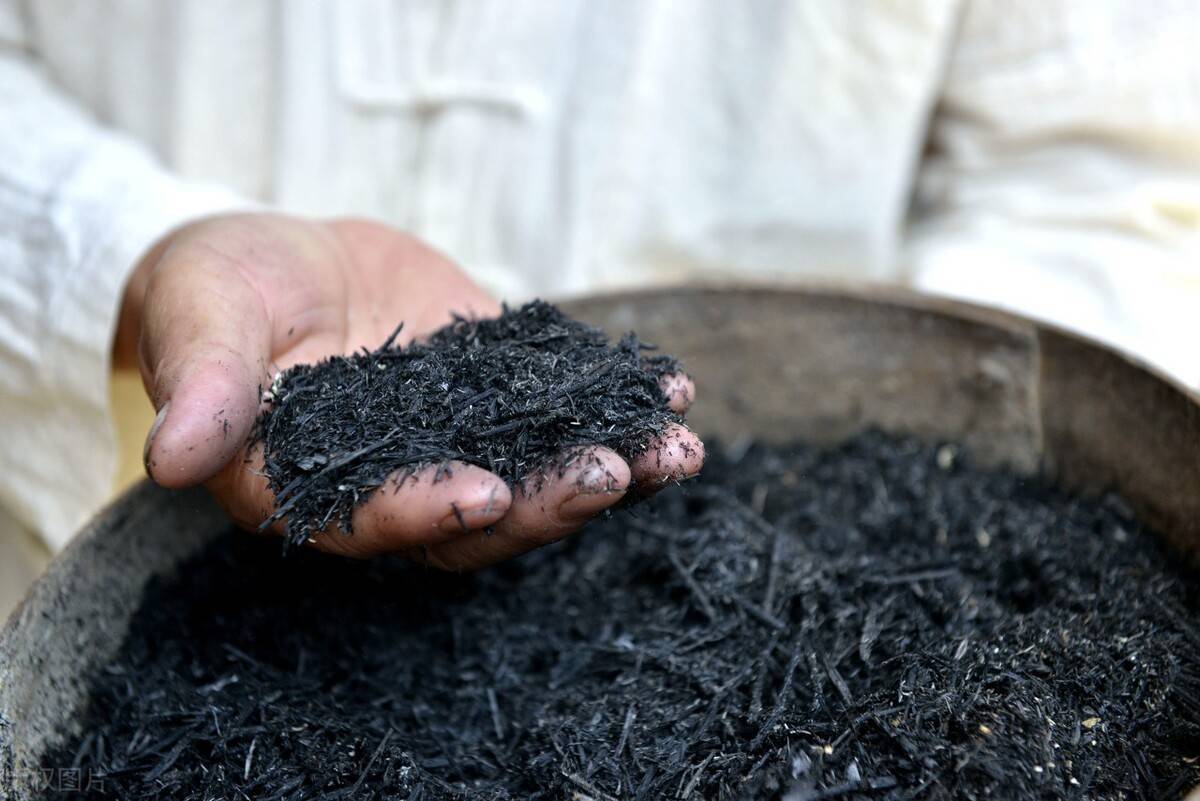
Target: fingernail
pixel 157 424
pixel 595 485
pixel 464 519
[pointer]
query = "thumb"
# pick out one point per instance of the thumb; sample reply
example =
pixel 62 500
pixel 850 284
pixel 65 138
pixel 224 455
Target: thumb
pixel 205 345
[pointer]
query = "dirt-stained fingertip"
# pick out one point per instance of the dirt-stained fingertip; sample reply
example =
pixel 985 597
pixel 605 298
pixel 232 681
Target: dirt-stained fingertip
pixel 674 456
pixel 679 390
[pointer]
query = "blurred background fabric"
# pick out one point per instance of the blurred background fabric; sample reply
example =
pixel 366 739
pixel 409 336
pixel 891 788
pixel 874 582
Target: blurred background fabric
pixel 1040 155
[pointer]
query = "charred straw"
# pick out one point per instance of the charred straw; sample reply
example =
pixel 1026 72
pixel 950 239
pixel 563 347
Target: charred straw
pixel 511 394
pixel 799 624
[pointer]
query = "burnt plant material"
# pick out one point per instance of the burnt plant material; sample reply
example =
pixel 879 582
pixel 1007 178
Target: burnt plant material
pixel 509 394
pixel 877 621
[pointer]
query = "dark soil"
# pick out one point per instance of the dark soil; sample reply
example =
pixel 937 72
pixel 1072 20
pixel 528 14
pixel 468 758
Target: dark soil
pixel 509 394
pixel 878 621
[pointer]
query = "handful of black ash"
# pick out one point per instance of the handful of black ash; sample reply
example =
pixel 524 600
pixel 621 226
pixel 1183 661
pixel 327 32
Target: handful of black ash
pixel 508 394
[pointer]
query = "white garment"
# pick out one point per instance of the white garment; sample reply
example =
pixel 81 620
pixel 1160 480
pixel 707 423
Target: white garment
pixel 560 146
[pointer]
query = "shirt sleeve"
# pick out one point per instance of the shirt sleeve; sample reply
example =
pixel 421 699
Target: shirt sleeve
pixel 79 204
pixel 1062 179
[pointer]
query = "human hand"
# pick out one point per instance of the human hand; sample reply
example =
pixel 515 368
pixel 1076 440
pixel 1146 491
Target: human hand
pixel 218 306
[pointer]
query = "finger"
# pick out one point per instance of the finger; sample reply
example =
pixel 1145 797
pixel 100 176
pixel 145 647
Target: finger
pixel 205 346
pixel 431 507
pixel 680 391
pixel 675 455
pixel 437 504
pixel 593 480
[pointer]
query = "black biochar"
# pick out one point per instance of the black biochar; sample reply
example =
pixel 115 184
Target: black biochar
pixel 877 621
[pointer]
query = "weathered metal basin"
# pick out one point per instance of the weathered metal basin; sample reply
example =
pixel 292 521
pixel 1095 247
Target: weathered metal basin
pixel 771 363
